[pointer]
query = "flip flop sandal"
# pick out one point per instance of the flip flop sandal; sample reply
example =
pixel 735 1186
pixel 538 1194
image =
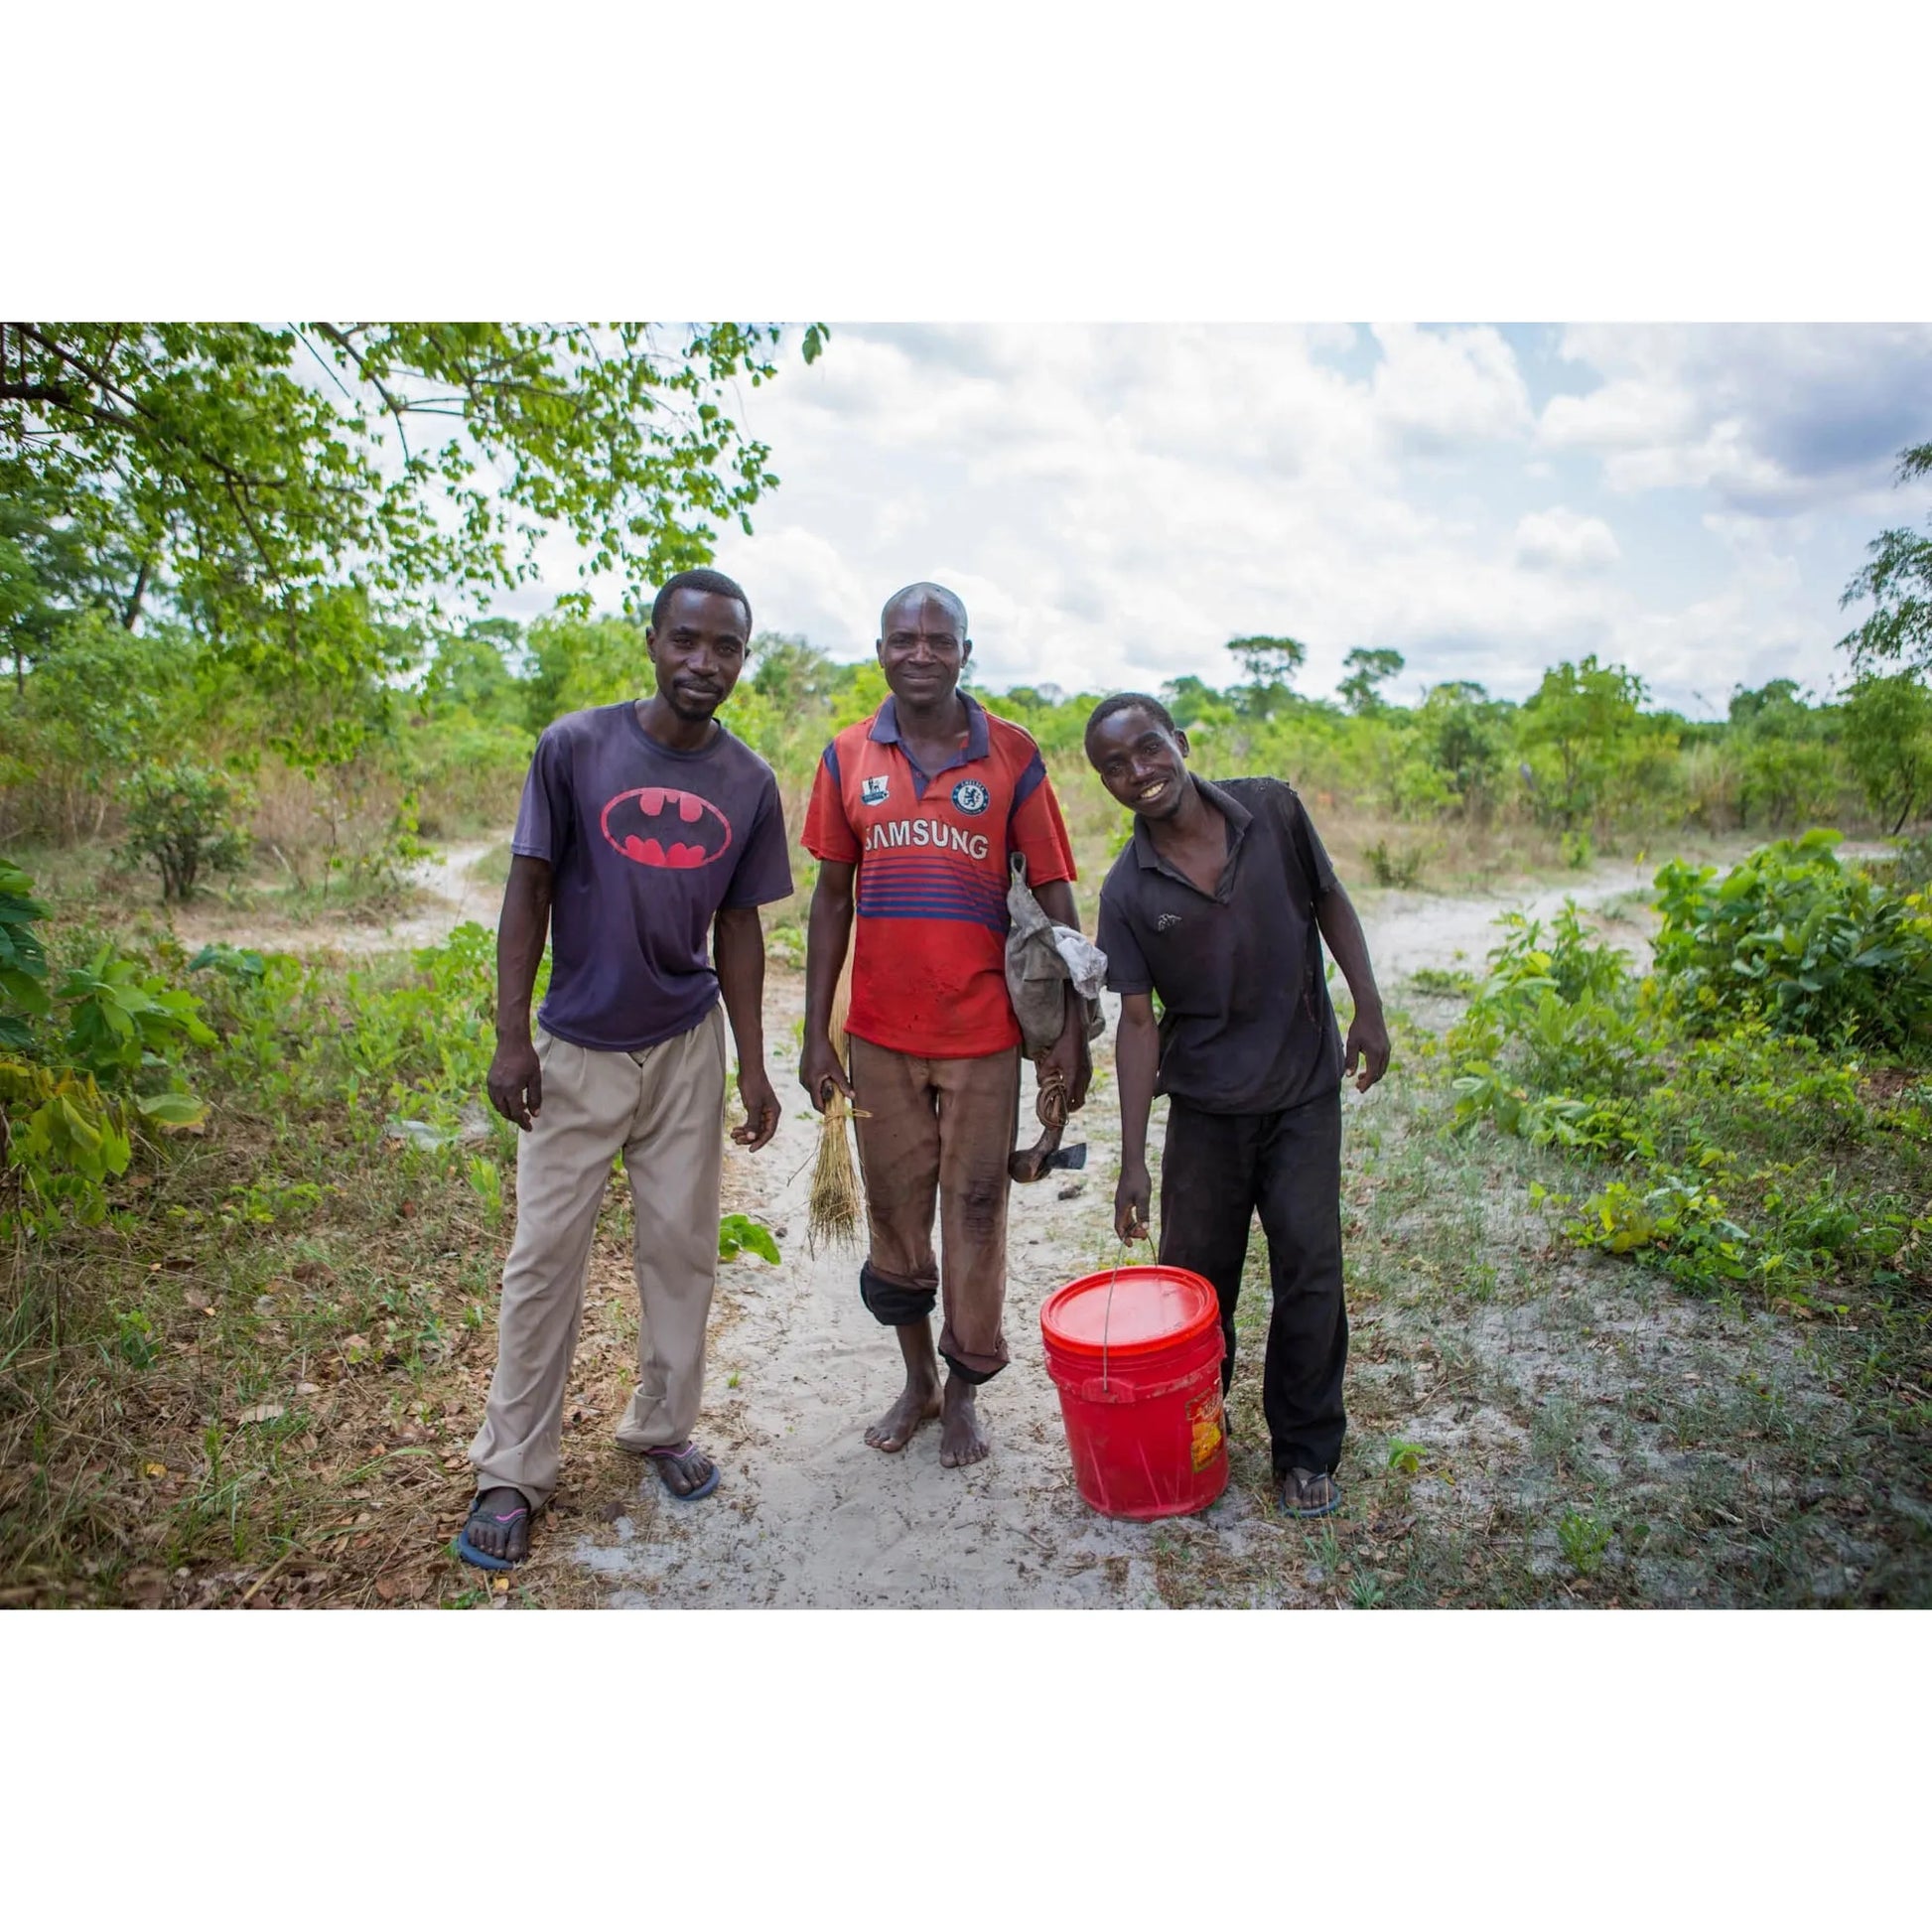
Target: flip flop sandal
pixel 481 1559
pixel 675 1455
pixel 1307 1510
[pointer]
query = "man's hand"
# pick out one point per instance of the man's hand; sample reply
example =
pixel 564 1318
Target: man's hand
pixel 516 1082
pixel 1060 1064
pixel 760 1109
pixel 1131 1199
pixel 1368 1042
pixel 818 1065
pixel 1069 1055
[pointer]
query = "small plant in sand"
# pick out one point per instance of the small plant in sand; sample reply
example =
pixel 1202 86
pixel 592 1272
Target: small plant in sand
pixel 740 1234
pixel 1583 1540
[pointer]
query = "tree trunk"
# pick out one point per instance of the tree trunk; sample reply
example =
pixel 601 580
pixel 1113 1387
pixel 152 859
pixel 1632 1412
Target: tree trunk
pixel 140 591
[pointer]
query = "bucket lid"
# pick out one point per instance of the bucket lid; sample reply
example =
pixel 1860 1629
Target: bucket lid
pixel 1153 1307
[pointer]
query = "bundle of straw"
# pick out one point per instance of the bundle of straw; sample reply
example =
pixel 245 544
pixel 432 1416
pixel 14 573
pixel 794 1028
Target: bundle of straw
pixel 838 1206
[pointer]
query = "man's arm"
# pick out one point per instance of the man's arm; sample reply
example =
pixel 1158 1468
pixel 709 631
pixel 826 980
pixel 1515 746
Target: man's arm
pixel 1067 1054
pixel 1368 1033
pixel 738 951
pixel 1137 1053
pixel 827 933
pixel 515 1079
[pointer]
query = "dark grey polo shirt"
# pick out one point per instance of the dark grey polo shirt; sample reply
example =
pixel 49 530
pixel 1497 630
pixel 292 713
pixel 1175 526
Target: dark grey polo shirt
pixel 1246 1026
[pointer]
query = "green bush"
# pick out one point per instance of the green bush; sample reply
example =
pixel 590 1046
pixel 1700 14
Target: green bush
pixel 1552 1036
pixel 185 819
pixel 23 959
pixel 99 1059
pixel 1799 940
pixel 1399 866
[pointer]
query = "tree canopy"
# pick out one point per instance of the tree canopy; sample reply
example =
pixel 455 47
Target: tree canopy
pixel 1899 581
pixel 301 494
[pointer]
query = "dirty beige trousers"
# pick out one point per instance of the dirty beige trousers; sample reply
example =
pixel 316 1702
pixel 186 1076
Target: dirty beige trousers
pixel 662 1109
pixel 939 1130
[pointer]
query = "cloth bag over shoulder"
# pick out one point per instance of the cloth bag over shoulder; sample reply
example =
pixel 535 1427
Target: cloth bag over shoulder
pixel 1044 963
pixel 1042 960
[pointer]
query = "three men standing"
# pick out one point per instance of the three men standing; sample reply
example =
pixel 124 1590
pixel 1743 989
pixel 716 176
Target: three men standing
pixel 647 839
pixel 1220 903
pixel 913 814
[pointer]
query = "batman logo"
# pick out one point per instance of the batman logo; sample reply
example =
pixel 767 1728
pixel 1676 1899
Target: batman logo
pixel 675 830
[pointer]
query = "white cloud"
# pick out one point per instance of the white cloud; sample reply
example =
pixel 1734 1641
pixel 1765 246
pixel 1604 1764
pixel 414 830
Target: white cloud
pixel 1561 539
pixel 1444 389
pixel 1772 420
pixel 1116 503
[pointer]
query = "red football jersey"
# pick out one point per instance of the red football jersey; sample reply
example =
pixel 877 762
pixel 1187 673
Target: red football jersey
pixel 928 966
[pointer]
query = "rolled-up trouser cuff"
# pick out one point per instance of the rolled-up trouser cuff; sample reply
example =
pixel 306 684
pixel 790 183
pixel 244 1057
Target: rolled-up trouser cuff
pixel 972 1375
pixel 893 1303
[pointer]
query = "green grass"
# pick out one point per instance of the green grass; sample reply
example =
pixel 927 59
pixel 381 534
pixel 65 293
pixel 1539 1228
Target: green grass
pixel 1573 1427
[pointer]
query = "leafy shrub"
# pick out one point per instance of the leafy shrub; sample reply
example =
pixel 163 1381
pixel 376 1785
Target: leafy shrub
pixel 1685 1222
pixel 185 819
pixel 1551 1033
pixel 1799 940
pixel 1443 982
pixel 1908 869
pixel 98 1056
pixel 23 959
pixel 1394 867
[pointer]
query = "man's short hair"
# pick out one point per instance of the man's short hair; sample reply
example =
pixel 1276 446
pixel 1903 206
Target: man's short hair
pixel 713 581
pixel 1127 701
pixel 938 592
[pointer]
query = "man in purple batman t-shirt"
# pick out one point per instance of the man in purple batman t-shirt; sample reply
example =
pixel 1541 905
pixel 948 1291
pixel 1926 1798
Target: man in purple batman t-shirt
pixel 647 839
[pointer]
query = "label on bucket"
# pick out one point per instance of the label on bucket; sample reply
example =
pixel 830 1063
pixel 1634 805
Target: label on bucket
pixel 1204 1428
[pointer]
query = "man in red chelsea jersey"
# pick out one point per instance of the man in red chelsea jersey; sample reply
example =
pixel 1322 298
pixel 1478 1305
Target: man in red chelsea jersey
pixel 913 816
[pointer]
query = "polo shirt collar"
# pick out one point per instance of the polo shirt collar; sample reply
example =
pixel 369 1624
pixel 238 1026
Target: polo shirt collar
pixel 1238 816
pixel 979 737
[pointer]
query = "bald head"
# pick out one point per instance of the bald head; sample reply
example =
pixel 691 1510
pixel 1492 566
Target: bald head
pixel 923 649
pixel 918 595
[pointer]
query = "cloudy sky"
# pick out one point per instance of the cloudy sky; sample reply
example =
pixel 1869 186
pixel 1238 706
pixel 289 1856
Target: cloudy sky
pixel 1116 503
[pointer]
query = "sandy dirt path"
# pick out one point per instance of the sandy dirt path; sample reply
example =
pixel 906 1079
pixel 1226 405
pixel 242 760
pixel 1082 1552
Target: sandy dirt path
pixel 448 895
pixel 807 1515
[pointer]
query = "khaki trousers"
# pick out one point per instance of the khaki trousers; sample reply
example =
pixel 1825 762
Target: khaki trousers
pixel 662 1109
pixel 943 1129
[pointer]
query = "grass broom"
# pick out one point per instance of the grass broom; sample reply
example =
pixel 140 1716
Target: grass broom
pixel 838 1204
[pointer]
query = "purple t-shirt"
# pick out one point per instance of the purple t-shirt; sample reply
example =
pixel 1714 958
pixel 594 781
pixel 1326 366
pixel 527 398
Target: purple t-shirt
pixel 645 845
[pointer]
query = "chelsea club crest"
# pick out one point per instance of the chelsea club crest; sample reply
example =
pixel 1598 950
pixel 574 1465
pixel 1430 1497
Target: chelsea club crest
pixel 970 797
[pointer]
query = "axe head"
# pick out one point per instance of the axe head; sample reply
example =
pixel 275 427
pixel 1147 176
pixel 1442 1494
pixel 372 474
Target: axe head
pixel 1071 1158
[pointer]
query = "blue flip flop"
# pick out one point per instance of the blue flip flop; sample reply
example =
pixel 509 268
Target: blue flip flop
pixel 676 1454
pixel 467 1550
pixel 1326 1509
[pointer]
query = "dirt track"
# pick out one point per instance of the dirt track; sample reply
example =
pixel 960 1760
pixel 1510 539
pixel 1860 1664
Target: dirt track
pixel 808 1515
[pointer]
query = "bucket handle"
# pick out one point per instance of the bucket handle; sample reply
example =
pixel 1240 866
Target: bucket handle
pixel 1107 1314
pixel 1091 1391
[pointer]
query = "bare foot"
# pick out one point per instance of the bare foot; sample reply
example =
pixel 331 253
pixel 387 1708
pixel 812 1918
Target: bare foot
pixel 919 1403
pixel 961 1440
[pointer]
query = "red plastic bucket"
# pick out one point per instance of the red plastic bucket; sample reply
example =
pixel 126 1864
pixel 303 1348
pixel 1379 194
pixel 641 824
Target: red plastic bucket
pixel 1136 1356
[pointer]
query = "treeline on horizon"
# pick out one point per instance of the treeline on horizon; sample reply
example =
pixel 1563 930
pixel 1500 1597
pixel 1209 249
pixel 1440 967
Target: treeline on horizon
pixel 235 559
pixel 112 726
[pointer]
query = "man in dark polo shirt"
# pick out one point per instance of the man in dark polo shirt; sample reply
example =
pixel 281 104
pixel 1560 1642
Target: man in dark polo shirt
pixel 1221 904
pixel 647 839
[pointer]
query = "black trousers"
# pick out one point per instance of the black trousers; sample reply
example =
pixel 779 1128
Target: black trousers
pixel 1218 1169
